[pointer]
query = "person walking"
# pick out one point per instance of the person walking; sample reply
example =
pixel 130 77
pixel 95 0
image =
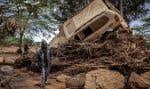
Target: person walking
pixel 44 58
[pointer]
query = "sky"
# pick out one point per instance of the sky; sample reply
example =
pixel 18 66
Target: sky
pixel 46 37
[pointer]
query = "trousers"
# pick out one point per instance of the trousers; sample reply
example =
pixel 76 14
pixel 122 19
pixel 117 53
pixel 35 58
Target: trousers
pixel 44 74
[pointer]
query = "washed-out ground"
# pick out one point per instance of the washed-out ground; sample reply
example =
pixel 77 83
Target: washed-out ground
pixel 116 61
pixel 22 78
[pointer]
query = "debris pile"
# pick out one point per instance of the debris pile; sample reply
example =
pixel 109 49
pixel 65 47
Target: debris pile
pixel 7 77
pixel 117 50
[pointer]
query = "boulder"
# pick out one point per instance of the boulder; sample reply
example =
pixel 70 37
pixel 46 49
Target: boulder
pixel 140 81
pixel 9 60
pixel 76 82
pixel 7 70
pixel 62 78
pixel 1 60
pixel 104 79
pixel 146 75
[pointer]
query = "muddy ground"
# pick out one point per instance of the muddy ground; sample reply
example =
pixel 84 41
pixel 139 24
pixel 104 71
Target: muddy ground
pixel 21 78
pixel 117 54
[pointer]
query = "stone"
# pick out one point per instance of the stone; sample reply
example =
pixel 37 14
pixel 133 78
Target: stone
pixel 7 70
pixel 76 82
pixel 140 81
pixel 146 76
pixel 1 60
pixel 62 78
pixel 104 79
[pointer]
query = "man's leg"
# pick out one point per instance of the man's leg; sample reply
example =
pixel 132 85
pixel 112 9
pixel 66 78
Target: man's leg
pixel 43 76
pixel 46 74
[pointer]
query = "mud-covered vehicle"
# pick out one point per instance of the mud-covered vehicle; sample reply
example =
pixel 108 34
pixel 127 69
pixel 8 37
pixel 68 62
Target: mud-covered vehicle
pixel 89 25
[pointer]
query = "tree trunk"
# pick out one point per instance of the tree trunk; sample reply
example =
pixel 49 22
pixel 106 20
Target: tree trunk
pixel 21 38
pixel 121 8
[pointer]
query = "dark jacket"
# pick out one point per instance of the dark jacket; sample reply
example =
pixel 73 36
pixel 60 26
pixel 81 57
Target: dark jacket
pixel 43 58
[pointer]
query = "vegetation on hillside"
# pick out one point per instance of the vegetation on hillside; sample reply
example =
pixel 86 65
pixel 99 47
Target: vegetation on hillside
pixel 15 41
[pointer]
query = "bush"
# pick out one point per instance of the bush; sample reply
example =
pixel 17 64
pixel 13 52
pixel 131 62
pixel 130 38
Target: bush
pixel 27 41
pixel 15 41
pixel 11 41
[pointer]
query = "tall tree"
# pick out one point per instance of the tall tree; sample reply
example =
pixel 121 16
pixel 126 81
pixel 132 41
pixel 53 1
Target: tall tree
pixel 64 9
pixel 8 25
pixel 121 8
pixel 31 14
pixel 130 9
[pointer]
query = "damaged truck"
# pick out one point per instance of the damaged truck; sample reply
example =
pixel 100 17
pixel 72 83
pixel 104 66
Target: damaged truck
pixel 91 23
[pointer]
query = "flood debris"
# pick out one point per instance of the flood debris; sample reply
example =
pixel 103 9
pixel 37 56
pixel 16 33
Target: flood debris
pixel 9 78
pixel 100 45
pixel 120 51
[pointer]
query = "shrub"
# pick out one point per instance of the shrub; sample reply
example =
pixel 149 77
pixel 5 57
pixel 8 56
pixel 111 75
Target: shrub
pixel 15 41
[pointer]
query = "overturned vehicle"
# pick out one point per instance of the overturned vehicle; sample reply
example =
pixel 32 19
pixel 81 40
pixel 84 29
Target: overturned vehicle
pixel 91 23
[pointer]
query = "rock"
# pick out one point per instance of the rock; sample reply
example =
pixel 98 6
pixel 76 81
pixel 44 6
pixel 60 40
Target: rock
pixel 104 79
pixel 133 45
pixel 1 60
pixel 9 61
pixel 62 78
pixel 7 70
pixel 76 82
pixel 146 75
pixel 140 81
pixel 6 60
pixel 23 62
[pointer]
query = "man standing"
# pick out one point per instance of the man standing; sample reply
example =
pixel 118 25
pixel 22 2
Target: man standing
pixel 44 59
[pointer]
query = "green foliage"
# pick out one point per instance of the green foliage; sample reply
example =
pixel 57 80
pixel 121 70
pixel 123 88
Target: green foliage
pixel 67 8
pixel 132 9
pixel 11 41
pixel 27 41
pixel 144 29
pixel 146 22
pixel 15 41
pixel 31 16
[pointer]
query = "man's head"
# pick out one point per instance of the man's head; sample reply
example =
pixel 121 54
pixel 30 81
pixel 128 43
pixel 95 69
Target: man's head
pixel 44 44
pixel 26 46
